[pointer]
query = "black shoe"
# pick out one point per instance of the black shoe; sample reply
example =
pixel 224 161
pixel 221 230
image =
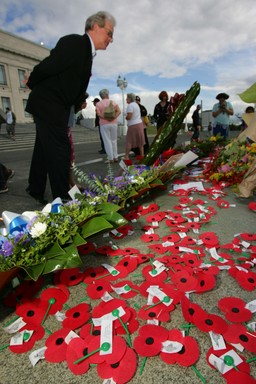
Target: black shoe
pixel 102 152
pixel 38 198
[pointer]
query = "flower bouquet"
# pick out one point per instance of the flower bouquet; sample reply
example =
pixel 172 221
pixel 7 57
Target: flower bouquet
pixel 231 163
pixel 42 242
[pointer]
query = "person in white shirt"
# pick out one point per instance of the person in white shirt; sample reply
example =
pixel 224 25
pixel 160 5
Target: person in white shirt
pixel 10 123
pixel 135 133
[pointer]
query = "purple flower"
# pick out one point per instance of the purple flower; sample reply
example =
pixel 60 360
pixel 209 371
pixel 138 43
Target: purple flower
pixel 7 248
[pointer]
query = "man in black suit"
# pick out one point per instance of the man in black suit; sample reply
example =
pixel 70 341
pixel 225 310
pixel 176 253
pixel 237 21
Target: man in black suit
pixel 58 85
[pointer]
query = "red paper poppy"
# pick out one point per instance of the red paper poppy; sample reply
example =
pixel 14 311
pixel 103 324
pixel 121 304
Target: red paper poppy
pixel 248 236
pixel 55 298
pixel 86 248
pixel 38 334
pixel 186 200
pixel 156 218
pixel 179 228
pixel 89 330
pixel 128 262
pixel 108 307
pixel 132 324
pixel 234 309
pixel 76 316
pixel 179 192
pixel 191 311
pixel 209 322
pixel 174 218
pixel 187 241
pixel 149 341
pixel 153 207
pixel 193 225
pixel 129 289
pixel 209 239
pixel 118 350
pixel 246 280
pixel 151 275
pixel 93 273
pixel 130 251
pixel 56 346
pixel 143 258
pixel 121 371
pixel 147 238
pixel 31 312
pixel 191 260
pixel 252 206
pixel 98 288
pixel 243 366
pixel 108 250
pixel 26 290
pixel 158 312
pixel 77 349
pixel 222 203
pixel 239 334
pixel 131 216
pixel 187 356
pixel 71 276
pixel 184 281
pixel 158 248
pixel 238 377
pixel 210 270
pixel 205 282
pixel 121 232
pixel 172 238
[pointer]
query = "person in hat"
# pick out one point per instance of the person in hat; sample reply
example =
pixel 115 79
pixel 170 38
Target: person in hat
pixel 221 112
pixel 97 125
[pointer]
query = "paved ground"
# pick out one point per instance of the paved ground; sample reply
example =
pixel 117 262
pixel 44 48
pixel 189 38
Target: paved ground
pixel 16 368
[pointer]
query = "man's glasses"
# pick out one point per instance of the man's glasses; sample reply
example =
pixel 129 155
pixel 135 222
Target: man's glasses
pixel 109 32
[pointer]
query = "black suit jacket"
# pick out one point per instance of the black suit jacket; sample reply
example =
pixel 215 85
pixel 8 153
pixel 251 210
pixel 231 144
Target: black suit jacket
pixel 61 79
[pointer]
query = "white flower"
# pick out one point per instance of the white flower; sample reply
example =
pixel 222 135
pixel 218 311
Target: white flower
pixel 37 229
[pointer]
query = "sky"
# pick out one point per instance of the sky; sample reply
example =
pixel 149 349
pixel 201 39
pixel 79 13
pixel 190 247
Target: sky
pixel 158 45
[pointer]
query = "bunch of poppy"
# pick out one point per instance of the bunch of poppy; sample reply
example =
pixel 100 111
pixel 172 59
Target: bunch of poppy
pixel 177 267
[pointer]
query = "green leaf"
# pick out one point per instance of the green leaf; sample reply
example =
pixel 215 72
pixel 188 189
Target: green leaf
pixel 249 95
pixel 107 207
pixel 54 251
pixel 34 271
pixel 78 240
pixel 95 225
pixel 70 259
pixel 115 219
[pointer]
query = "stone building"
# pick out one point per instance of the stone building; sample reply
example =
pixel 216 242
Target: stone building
pixel 18 57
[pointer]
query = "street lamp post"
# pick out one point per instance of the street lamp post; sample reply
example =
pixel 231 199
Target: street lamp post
pixel 122 84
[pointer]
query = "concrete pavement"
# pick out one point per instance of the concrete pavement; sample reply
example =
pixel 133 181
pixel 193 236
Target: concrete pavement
pixel 225 223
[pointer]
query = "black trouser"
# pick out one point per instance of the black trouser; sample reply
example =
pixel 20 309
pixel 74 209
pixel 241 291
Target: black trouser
pixel 4 173
pixel 51 156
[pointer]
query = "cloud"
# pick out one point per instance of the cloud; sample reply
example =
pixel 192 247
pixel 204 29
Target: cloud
pixel 157 45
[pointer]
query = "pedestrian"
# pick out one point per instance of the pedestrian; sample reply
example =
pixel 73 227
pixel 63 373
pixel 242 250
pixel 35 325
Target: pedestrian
pixel 145 122
pixel 196 124
pixel 221 112
pixel 108 125
pixel 161 113
pixel 97 125
pixel 10 123
pixel 249 109
pixel 58 83
pixel 5 175
pixel 209 128
pixel 135 133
